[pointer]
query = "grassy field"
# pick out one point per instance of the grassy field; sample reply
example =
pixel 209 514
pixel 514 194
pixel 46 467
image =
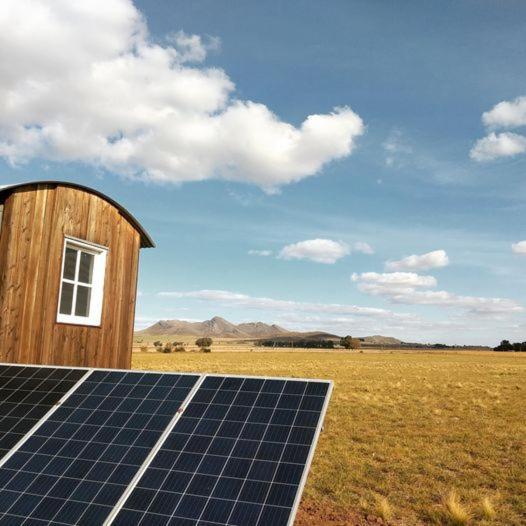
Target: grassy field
pixel 415 438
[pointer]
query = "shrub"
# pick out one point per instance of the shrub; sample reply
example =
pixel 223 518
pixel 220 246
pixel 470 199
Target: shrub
pixel 204 342
pixel 179 348
pixel 144 348
pixel 166 349
pixel 206 349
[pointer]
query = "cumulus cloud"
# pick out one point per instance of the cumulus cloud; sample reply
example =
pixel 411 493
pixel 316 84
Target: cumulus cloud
pixel 401 287
pixel 83 81
pixel 264 253
pixel 506 114
pixel 435 259
pixel 519 248
pixel 319 250
pixel 496 145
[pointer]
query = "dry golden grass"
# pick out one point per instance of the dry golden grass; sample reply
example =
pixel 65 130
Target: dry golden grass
pixel 383 508
pixel 488 508
pixel 409 426
pixel 456 513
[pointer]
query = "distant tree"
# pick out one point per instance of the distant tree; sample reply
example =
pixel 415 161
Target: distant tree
pixel 505 346
pixel 204 343
pixel 158 343
pixel 346 342
pixel 355 343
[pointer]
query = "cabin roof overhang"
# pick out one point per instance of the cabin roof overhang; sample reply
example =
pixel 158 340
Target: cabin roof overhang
pixel 146 240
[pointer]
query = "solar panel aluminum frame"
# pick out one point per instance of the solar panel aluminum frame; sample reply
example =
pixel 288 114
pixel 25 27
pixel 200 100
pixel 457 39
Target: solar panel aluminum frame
pixel 45 417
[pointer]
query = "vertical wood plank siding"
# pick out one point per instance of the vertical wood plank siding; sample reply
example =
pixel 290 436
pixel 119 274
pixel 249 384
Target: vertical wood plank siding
pixel 34 224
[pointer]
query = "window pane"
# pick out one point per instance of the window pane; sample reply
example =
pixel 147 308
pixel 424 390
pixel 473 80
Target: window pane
pixel 66 298
pixel 83 301
pixel 86 267
pixel 70 262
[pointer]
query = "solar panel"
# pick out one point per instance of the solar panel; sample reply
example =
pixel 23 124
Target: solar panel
pixel 26 395
pixel 74 468
pixel 238 455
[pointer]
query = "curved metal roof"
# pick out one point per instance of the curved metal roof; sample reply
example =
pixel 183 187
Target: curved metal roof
pixel 146 240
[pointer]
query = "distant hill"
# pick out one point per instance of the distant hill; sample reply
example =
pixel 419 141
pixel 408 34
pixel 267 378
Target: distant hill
pixel 220 328
pixel 381 340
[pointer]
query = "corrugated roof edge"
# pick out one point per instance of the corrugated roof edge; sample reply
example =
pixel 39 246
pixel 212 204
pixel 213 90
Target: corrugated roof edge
pixel 146 240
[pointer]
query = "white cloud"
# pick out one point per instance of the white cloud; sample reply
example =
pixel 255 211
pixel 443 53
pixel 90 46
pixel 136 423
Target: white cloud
pixel 519 248
pixel 82 81
pixel 435 259
pixel 395 280
pixel 363 247
pixel 403 288
pixel 506 114
pixel 264 253
pixel 395 147
pixel 498 145
pixel 243 300
pixel 319 250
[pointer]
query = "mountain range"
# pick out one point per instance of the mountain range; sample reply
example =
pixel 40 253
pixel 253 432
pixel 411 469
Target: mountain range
pixel 220 328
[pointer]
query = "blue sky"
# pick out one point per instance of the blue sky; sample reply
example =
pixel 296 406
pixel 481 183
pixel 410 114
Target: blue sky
pixel 418 158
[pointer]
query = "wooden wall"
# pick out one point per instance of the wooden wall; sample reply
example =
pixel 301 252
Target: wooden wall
pixel 36 219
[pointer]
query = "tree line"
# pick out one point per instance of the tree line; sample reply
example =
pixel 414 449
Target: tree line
pixel 347 342
pixel 506 346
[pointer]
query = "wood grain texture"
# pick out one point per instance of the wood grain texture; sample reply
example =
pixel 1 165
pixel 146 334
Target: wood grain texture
pixel 35 220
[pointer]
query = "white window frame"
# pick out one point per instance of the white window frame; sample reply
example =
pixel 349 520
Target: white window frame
pixel 97 283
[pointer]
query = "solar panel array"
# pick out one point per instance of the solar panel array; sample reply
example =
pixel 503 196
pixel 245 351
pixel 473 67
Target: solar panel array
pixel 129 448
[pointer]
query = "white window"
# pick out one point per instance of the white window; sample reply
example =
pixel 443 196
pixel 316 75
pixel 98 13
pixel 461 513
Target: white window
pixel 82 283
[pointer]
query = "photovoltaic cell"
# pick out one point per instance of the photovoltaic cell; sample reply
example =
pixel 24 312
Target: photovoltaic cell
pixel 77 464
pixel 26 395
pixel 237 456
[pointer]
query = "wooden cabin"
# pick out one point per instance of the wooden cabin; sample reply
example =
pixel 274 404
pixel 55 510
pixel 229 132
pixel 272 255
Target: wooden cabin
pixel 68 275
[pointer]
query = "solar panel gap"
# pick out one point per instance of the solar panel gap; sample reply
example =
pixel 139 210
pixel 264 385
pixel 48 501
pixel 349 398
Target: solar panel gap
pixel 40 374
pixel 167 430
